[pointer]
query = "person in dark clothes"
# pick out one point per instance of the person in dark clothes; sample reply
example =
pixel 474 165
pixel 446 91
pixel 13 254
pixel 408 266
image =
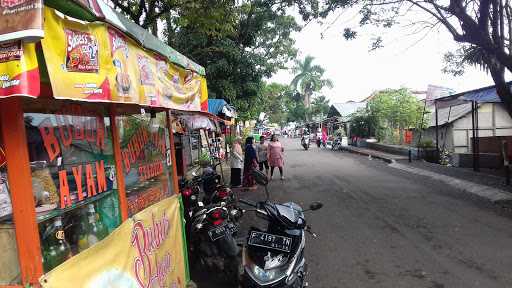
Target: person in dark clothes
pixel 250 163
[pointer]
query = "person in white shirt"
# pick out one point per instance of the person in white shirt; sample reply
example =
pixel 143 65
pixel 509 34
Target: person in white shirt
pixel 237 163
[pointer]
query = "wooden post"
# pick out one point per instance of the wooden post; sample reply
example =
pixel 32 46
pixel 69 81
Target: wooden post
pixel 173 153
pixel 12 126
pixel 473 142
pixel 116 144
pixel 437 131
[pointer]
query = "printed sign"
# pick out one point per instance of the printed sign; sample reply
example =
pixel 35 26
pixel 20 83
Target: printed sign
pixel 77 61
pixel 144 152
pixel 19 72
pixel 124 78
pixel 81 51
pixel 152 249
pixel 21 19
pixel 5 199
pixel 10 51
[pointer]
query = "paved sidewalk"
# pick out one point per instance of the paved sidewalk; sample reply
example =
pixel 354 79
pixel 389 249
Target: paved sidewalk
pixel 390 158
pixel 482 185
pixel 493 194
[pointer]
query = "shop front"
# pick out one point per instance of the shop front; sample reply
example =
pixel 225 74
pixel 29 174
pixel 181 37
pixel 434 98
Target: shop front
pixel 88 180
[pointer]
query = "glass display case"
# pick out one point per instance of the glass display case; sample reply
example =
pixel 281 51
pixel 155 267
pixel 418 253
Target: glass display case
pixel 73 179
pixel 145 151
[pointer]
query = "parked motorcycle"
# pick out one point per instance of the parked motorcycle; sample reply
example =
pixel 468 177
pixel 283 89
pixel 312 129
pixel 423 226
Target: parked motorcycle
pixel 212 241
pixel 274 257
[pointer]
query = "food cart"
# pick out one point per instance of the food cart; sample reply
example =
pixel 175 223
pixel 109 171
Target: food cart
pixel 88 178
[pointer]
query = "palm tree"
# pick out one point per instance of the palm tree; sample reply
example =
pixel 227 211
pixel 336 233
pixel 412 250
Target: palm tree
pixel 320 106
pixel 308 79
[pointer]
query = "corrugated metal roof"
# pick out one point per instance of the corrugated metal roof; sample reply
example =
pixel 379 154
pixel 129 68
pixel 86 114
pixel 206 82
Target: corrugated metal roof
pixel 454 113
pixel 345 109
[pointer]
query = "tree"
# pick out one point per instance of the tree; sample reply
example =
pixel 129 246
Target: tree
pixel 481 27
pixel 240 43
pixel 146 13
pixel 320 106
pixel 393 110
pixel 309 79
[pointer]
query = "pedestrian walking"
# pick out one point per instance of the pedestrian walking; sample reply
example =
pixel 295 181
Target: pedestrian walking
pixel 261 151
pixel 250 163
pixel 237 162
pixel 275 153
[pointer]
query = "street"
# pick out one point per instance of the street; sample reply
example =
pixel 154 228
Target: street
pixel 382 227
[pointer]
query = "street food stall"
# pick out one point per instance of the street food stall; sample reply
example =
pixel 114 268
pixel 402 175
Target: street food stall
pixel 88 178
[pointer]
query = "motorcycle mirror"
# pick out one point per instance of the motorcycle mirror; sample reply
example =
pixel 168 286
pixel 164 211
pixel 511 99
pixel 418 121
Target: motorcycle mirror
pixel 315 206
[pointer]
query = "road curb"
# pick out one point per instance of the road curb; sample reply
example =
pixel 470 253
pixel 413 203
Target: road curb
pixel 494 195
pixel 385 159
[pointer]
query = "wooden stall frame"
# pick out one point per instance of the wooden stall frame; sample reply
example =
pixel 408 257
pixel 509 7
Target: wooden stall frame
pixel 19 177
pixel 116 144
pixel 173 152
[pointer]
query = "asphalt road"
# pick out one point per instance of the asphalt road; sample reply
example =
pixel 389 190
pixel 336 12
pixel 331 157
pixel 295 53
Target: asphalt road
pixel 382 227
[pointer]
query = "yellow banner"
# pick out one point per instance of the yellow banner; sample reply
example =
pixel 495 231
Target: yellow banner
pixel 19 71
pixel 146 251
pixel 77 58
pixel 96 62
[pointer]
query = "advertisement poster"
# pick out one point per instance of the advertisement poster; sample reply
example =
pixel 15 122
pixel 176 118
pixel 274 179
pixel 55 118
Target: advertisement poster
pixel 77 59
pixel 146 67
pixel 152 248
pixel 125 87
pixel 19 71
pixel 179 88
pixel 21 19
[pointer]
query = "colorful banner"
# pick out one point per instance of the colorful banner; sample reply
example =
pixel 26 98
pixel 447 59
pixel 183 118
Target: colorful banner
pixel 21 19
pixel 77 58
pixel 96 62
pixel 19 72
pixel 146 251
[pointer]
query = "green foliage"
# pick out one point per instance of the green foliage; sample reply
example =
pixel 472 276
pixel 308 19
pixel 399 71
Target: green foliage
pixel 309 79
pixel 426 144
pixel 204 159
pixel 363 124
pixel 389 111
pixel 320 107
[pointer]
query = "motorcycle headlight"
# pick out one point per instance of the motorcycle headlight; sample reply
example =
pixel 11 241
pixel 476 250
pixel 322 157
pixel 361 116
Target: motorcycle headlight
pixel 266 276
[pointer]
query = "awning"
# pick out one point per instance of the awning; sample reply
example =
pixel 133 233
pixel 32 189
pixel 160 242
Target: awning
pixel 481 95
pixel 220 106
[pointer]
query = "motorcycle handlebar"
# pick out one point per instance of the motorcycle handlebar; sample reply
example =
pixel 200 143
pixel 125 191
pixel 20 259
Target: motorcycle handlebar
pixel 249 203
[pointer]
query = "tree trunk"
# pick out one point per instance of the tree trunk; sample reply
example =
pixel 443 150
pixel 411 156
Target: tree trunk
pixel 502 88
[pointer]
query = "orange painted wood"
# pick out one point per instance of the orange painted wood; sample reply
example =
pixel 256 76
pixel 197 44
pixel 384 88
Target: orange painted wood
pixel 116 143
pixel 12 126
pixel 173 153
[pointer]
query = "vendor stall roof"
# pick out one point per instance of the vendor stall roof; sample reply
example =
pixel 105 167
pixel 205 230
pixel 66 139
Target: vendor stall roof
pixel 220 106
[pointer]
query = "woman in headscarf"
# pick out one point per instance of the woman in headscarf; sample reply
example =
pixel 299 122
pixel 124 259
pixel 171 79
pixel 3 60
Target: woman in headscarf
pixel 237 162
pixel 250 163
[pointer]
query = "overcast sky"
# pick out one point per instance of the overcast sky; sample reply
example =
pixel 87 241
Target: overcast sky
pixel 403 62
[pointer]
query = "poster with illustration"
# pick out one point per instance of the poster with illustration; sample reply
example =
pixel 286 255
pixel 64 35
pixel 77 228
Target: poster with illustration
pixel 81 52
pixel 77 58
pixel 124 74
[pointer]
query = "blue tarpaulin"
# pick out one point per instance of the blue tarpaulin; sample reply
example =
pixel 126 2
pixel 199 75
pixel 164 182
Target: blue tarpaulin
pixel 220 106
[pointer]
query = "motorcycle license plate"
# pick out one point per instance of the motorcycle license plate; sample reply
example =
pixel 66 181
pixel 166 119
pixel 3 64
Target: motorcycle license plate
pixel 270 241
pixel 219 232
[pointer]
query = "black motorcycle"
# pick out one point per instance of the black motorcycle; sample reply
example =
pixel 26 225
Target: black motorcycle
pixel 212 241
pixel 305 142
pixel 274 257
